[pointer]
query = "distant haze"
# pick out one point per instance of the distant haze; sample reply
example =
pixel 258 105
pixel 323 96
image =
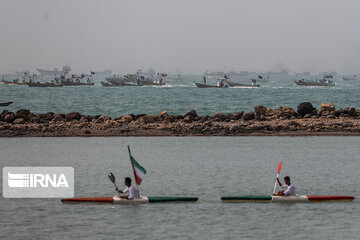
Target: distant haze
pixel 191 35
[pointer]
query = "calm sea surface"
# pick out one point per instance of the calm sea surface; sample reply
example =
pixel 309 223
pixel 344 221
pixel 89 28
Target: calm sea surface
pixel 177 97
pixel 208 168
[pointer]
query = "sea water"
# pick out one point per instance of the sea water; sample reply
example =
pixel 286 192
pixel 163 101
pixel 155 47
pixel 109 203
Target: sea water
pixel 177 97
pixel 204 167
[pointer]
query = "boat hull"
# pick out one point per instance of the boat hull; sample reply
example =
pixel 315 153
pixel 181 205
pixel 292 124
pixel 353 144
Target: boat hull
pixel 13 82
pixel 44 85
pixel 239 85
pixel 118 200
pixel 313 84
pixel 69 83
pixel 4 104
pixel 299 198
pixel 200 85
pixel 152 84
pixel 105 84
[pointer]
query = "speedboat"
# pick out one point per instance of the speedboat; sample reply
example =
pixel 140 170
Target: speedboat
pixel 316 83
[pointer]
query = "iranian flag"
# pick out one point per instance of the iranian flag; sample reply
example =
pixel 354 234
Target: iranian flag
pixel 139 171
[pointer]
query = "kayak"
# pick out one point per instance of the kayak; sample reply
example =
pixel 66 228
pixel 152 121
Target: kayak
pixel 298 198
pixel 119 200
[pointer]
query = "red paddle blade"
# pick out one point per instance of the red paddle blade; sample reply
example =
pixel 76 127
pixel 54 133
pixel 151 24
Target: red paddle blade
pixel 279 167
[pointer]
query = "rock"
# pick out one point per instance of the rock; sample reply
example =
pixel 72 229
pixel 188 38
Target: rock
pixel 72 116
pixel 178 116
pixel 260 110
pixel 327 107
pixel 262 118
pixel 273 112
pixel 346 115
pixel 191 113
pixel 163 114
pixel 249 116
pixel 102 119
pixel 148 119
pixel 170 118
pixel 9 118
pixel 58 117
pixel 350 111
pixel 330 117
pixel 305 108
pixel 83 119
pixel 34 119
pixel 308 115
pixel 237 115
pixel 19 121
pixel 23 112
pixel 47 116
pixel 188 119
pixel 219 116
pixel 280 127
pixel 286 111
pixel 25 117
pixel 87 131
pixel 338 112
pixel 4 112
pixel 127 118
pixel 325 113
pixel 4 127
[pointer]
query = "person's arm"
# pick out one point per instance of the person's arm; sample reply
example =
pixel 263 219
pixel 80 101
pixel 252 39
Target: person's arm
pixel 277 179
pixel 119 191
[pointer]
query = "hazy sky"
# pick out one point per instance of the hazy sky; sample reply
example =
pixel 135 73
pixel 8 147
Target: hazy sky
pixel 191 35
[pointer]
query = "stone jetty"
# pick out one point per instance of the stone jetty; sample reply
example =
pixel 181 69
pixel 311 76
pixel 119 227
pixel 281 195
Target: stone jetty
pixel 306 120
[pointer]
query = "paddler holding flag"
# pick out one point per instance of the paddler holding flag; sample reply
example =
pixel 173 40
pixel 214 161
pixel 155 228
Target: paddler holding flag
pixel 139 173
pixel 133 192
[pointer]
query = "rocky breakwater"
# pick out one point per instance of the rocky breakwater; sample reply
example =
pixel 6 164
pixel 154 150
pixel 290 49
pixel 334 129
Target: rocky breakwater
pixel 306 120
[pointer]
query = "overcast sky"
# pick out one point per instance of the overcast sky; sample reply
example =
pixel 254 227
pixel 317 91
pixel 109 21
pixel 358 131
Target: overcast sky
pixel 191 35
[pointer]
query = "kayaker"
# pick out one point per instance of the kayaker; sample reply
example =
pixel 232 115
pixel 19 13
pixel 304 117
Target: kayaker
pixel 289 189
pixel 133 192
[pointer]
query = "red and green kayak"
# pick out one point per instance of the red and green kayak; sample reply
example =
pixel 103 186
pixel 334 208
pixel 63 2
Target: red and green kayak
pixel 119 200
pixel 299 198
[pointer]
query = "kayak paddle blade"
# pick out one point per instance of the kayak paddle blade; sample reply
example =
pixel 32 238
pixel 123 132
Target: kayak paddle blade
pixel 111 177
pixel 279 167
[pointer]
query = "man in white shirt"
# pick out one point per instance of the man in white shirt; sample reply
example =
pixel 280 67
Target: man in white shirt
pixel 289 189
pixel 133 192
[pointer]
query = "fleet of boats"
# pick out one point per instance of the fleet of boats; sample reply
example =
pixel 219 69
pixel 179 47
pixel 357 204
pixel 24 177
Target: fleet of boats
pixel 59 78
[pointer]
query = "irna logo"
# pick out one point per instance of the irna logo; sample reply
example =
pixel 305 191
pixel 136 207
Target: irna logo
pixel 38 182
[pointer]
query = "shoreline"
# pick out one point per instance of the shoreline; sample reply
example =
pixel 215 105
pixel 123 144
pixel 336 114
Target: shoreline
pixel 283 121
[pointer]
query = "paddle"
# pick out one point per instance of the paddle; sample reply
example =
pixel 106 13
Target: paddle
pixel 277 175
pixel 112 179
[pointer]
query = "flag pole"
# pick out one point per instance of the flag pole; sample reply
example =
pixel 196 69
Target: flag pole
pixel 137 186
